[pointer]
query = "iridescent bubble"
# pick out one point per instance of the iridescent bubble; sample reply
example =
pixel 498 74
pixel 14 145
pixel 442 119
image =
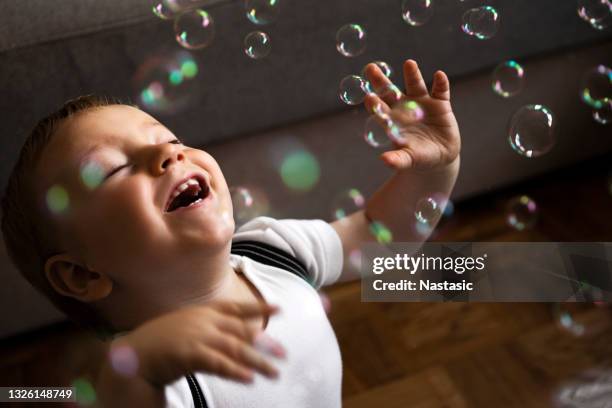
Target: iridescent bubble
pixel 261 12
pixel 355 260
pixel 596 87
pixel 248 203
pixel 257 45
pixel 417 12
pixel 124 360
pixel 382 234
pixel 57 199
pixel 566 320
pixel 423 229
pixel 346 203
pixel 267 345
pixel 481 22
pixel 521 213
pixel 351 40
pixel 352 90
pixel 84 391
pixel 164 83
pixel 532 131
pixel 375 135
pixel 162 11
pixel 179 6
pixel 508 79
pixel 389 93
pixel 300 171
pixel 403 115
pixel 383 66
pixel 598 13
pixel 427 211
pixel 194 29
pixel 604 115
pixel 92 175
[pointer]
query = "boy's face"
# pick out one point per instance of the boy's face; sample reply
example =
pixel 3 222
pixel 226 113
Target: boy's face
pixel 132 225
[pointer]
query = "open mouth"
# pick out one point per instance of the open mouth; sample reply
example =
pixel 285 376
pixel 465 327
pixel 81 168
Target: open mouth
pixel 190 192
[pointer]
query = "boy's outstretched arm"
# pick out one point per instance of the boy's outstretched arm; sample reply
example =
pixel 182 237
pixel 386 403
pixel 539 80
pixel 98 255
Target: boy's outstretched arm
pixel 425 160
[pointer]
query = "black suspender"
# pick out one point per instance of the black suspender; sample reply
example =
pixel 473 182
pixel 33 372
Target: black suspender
pixel 196 392
pixel 267 255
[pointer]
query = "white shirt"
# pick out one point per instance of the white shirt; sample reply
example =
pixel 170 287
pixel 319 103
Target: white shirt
pixel 311 374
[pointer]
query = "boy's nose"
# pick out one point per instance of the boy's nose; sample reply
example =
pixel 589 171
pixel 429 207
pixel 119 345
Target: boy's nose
pixel 167 155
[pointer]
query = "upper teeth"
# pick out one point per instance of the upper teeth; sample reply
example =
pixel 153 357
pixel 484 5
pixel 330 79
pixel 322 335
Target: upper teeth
pixel 183 187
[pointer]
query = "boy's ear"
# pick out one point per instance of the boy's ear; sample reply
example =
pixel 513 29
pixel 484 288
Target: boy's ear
pixel 70 278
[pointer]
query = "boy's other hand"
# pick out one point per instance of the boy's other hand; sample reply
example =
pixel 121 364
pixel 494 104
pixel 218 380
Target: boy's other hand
pixel 431 142
pixel 215 338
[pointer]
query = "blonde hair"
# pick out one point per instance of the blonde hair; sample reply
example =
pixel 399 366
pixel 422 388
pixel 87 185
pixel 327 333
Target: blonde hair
pixel 23 220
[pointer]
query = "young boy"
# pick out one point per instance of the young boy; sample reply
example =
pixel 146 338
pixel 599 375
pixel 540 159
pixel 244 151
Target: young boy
pixel 145 252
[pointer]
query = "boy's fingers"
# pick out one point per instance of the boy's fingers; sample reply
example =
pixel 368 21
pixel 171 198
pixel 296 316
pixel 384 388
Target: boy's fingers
pixel 441 87
pixel 244 354
pixel 218 363
pixel 238 327
pixel 383 87
pixel 415 85
pixel 375 105
pixel 246 310
pixel 397 159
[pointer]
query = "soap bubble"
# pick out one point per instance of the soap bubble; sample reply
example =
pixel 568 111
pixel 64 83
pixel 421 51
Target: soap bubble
pixel 522 213
pixel 597 86
pixel 382 234
pixel 124 360
pixel 84 391
pixel 481 22
pixel 532 131
pixel 92 175
pixel 179 6
pixel 352 90
pixel 566 321
pixel 346 203
pixel 261 12
pixel 57 199
pixel 417 12
pixel 351 40
pixel 389 93
pixel 598 13
pixel 375 135
pixel 300 171
pixel 427 211
pixel 508 79
pixel 403 115
pixel 604 115
pixel 355 260
pixel 257 45
pixel 382 65
pixel 165 83
pixel 194 29
pixel 248 203
pixel 162 11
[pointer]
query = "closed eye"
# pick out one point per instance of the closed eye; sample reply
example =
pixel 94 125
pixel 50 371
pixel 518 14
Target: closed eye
pixel 115 170
pixel 118 169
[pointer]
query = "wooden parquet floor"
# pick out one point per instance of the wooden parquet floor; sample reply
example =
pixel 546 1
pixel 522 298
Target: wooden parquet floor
pixel 399 355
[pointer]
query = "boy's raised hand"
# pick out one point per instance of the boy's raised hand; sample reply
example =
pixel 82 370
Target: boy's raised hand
pixel 214 338
pixel 429 143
